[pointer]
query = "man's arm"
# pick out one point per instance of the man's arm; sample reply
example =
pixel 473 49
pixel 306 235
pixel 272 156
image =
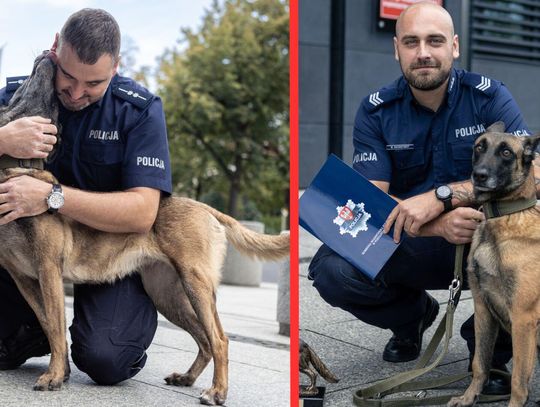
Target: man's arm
pixel 413 215
pixel 130 211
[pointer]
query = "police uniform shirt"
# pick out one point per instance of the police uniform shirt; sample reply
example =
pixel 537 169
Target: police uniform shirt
pixel 116 143
pixel 415 149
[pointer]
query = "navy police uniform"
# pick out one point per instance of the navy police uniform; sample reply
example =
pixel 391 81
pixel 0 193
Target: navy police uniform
pixel 117 143
pixel 415 150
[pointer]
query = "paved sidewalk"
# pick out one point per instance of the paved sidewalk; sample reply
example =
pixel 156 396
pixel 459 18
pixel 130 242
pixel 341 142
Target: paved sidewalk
pixel 352 350
pixel 258 363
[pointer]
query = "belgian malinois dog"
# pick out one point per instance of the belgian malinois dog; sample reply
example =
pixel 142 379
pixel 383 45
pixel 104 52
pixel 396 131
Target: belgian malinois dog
pixel 504 260
pixel 179 260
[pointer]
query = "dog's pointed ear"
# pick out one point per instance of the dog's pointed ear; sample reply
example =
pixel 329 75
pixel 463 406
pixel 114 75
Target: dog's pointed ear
pixel 530 144
pixel 497 127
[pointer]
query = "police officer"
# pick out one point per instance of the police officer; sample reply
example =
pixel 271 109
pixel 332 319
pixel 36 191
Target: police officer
pixel 114 142
pixel 413 139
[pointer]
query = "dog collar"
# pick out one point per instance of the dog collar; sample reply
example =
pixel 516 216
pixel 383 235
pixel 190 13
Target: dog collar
pixel 494 209
pixel 9 162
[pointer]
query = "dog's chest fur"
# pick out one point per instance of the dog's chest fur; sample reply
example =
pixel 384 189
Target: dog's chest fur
pixel 504 260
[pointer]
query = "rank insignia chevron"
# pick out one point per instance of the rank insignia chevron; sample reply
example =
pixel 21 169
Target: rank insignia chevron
pixel 374 99
pixel 484 84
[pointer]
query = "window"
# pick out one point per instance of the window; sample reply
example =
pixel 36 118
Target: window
pixel 507 29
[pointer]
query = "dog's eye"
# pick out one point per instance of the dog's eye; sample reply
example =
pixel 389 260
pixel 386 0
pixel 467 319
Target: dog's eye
pixel 506 153
pixel 479 147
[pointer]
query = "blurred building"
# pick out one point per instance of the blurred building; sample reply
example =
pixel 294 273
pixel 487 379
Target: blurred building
pixel 346 52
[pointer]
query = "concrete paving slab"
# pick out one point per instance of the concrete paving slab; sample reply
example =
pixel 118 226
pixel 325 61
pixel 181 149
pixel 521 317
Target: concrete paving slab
pixel 257 355
pixel 353 350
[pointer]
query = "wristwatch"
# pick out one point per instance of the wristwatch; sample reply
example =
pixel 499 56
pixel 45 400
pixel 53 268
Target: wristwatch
pixel 55 200
pixel 444 194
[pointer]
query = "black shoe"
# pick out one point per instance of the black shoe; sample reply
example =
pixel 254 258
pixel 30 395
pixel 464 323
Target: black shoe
pixel 406 348
pixel 497 383
pixel 27 342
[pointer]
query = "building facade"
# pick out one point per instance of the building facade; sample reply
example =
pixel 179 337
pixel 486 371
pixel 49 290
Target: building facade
pixel 346 53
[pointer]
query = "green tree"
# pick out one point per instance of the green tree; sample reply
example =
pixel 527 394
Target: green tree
pixel 226 100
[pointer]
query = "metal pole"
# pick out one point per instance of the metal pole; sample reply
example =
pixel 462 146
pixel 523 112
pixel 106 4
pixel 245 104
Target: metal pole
pixel 337 73
pixel 465 37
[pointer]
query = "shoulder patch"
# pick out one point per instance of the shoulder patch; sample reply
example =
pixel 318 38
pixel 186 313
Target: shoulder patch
pixel 138 97
pixel 481 83
pixel 379 98
pixel 13 83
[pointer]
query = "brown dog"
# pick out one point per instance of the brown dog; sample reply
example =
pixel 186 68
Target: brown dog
pixel 504 261
pixel 179 259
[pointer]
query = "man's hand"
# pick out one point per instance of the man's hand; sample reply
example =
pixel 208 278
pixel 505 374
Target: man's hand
pixel 22 196
pixel 456 226
pixel 28 137
pixel 411 214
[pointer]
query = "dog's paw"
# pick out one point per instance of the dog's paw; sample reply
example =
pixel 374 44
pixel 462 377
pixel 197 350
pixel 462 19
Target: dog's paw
pixel 48 382
pixel 212 397
pixel 177 379
pixel 460 402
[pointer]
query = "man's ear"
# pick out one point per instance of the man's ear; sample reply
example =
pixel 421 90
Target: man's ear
pixel 530 144
pixel 497 127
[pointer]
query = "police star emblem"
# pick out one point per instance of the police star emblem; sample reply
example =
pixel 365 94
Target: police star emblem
pixel 352 218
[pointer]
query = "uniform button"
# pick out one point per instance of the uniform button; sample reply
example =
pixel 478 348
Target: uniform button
pixel 135 95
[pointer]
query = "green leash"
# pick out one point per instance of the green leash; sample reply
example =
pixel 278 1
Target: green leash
pixel 372 396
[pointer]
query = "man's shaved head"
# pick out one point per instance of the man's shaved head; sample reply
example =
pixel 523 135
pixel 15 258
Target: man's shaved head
pixel 425 8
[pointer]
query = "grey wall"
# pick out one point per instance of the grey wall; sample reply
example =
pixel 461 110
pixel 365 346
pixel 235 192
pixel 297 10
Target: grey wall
pixel 369 65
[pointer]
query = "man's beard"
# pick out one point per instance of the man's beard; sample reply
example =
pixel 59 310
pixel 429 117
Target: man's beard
pixel 425 82
pixel 69 106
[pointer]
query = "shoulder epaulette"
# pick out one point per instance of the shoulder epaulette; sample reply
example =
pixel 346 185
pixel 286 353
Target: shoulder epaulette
pixel 13 83
pixel 380 98
pixel 481 83
pixel 139 97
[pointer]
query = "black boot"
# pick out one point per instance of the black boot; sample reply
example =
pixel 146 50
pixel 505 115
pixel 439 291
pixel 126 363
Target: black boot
pixel 407 345
pixel 26 342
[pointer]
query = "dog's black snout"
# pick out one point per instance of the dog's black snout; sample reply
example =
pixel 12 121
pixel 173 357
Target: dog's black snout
pixel 480 175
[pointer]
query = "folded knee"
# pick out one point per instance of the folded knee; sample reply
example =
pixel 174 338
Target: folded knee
pixel 108 364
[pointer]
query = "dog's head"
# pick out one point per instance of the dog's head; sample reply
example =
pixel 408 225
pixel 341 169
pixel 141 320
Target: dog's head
pixel 502 162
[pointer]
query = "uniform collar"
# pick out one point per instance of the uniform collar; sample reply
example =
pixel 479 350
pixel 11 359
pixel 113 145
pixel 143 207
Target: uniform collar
pixel 452 87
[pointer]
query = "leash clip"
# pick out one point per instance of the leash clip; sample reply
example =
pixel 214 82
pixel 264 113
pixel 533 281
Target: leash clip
pixel 421 394
pixel 454 289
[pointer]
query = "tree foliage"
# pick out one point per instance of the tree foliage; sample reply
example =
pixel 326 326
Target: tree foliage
pixel 226 101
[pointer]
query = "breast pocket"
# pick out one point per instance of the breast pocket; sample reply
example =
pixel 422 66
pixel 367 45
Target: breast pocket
pixel 462 158
pixel 409 169
pixel 102 164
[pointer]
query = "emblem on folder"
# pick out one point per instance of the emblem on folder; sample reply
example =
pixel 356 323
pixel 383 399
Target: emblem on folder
pixel 352 218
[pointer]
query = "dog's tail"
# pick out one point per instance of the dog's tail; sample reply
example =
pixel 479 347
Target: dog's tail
pixel 250 243
pixel 319 366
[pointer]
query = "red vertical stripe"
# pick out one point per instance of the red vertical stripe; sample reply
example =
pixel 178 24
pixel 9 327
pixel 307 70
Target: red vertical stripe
pixel 293 165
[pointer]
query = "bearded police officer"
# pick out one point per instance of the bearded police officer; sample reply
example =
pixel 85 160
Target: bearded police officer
pixel 413 139
pixel 114 142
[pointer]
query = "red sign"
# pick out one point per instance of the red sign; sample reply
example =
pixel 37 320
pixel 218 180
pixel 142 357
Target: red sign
pixel 391 9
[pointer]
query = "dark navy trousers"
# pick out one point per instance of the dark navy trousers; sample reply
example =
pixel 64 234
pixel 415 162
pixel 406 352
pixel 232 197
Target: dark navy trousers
pixel 397 297
pixel 113 325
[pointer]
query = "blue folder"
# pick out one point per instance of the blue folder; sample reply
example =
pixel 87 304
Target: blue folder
pixel 347 213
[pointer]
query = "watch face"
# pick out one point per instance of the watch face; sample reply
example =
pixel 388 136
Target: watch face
pixel 56 200
pixel 444 191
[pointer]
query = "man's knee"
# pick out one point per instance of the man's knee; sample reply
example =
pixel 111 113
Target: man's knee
pixel 106 363
pixel 335 279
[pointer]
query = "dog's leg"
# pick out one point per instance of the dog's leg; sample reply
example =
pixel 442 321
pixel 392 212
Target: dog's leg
pixel 162 284
pixel 486 329
pixel 524 349
pixel 201 294
pixel 31 291
pixel 52 288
